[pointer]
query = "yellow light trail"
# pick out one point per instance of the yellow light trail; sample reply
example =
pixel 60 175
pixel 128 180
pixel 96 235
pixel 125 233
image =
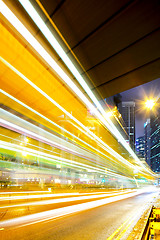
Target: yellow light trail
pixel 5 193
pixel 86 130
pixel 49 120
pixel 59 200
pixel 52 158
pixel 26 34
pixel 60 212
pixel 48 194
pixel 33 134
pixel 63 129
pixel 54 43
pixel 104 145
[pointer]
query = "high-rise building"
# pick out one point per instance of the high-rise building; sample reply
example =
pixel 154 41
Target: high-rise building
pixel 147 139
pixel 128 115
pixel 140 147
pixel 155 139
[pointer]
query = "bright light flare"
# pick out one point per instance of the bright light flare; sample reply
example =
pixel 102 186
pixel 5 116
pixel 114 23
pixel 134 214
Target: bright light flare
pixel 150 103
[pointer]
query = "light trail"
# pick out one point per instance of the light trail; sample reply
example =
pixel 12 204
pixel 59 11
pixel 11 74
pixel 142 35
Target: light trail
pixel 98 142
pixel 57 194
pixel 63 129
pixel 47 119
pixel 26 34
pixel 86 130
pixel 47 150
pixel 32 152
pixel 89 155
pixel 56 213
pixel 57 47
pixel 7 193
pixel 49 195
pixel 37 196
pixel 34 135
pixel 28 144
pixel 22 130
pixel 59 200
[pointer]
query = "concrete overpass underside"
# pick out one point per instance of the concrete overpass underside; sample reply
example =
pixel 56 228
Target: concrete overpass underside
pixel 115 42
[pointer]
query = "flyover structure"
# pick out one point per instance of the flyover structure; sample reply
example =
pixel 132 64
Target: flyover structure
pixel 116 43
pixel 53 74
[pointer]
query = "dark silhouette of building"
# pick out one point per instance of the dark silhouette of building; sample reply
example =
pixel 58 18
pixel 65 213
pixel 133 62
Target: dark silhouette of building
pixel 118 101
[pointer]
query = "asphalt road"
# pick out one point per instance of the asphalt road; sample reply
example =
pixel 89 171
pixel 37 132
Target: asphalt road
pixel 95 224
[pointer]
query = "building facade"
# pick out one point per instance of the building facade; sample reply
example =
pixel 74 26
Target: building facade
pixel 155 139
pixel 140 147
pixel 147 138
pixel 128 115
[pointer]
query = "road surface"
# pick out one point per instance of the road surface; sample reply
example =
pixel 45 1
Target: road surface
pixel 113 221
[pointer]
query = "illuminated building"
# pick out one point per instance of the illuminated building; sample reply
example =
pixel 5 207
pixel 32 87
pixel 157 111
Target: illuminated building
pixel 147 138
pixel 155 140
pixel 128 115
pixel 140 146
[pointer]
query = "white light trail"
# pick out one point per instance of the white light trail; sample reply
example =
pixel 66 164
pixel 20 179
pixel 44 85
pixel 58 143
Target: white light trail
pixel 27 150
pixel 63 129
pixel 104 145
pixel 47 119
pixel 38 130
pixel 86 130
pixel 55 213
pixel 21 130
pixel 32 152
pixel 27 35
pixel 36 196
pixel 57 47
pixel 8 193
pixel 59 200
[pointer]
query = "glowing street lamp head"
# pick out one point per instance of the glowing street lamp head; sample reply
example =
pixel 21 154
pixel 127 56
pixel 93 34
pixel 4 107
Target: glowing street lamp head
pixel 150 103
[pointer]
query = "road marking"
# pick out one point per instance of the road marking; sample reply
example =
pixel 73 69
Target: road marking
pixel 126 224
pixel 123 232
pixel 118 229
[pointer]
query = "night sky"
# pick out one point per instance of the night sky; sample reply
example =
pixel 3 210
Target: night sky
pixel 139 94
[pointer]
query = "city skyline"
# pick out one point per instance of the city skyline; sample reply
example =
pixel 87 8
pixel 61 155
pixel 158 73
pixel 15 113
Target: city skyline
pixel 139 95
